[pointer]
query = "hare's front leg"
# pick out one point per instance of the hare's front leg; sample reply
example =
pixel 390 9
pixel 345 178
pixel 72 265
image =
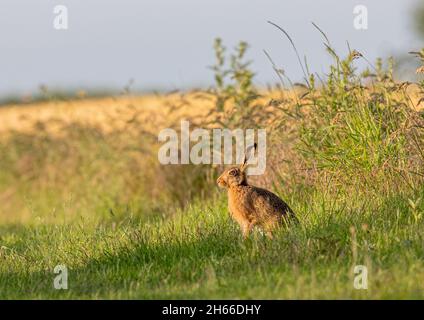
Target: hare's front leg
pixel 246 228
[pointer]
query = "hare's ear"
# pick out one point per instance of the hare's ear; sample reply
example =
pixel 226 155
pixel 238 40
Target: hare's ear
pixel 247 155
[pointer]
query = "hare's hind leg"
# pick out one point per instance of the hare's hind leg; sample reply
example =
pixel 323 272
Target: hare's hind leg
pixel 269 228
pixel 269 234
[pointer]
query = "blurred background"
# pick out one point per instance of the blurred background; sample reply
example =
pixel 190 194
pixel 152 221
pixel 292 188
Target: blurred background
pixel 167 45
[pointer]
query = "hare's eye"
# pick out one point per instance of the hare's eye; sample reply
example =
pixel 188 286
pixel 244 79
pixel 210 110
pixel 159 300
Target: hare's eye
pixel 233 173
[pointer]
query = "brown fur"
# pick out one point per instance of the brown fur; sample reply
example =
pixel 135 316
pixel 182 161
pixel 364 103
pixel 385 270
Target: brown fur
pixel 251 206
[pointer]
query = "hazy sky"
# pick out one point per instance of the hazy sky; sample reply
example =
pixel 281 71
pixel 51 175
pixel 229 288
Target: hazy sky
pixel 167 43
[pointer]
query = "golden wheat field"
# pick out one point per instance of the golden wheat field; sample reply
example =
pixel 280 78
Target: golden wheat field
pixel 154 110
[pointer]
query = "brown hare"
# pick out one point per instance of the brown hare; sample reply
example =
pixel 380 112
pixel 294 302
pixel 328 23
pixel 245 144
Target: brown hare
pixel 251 206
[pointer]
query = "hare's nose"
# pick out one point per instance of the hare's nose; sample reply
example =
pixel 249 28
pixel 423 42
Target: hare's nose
pixel 220 181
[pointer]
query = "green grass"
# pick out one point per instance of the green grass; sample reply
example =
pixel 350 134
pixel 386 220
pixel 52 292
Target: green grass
pixel 199 253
